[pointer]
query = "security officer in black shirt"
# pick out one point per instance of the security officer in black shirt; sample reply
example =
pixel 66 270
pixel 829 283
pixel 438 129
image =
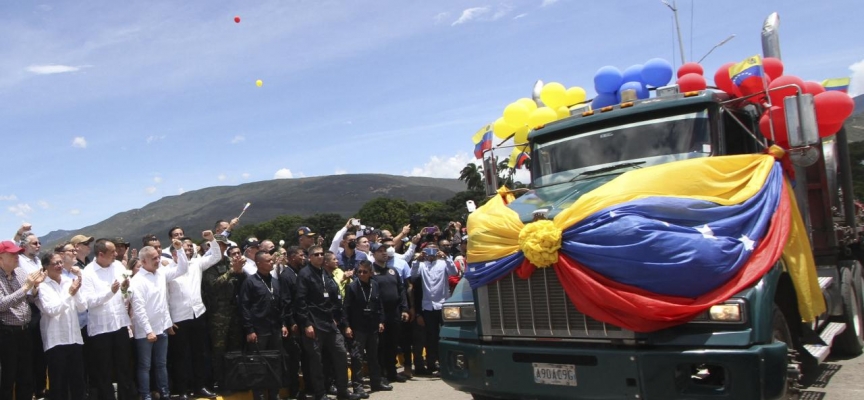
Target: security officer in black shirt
pixel 395 304
pixel 293 344
pixel 365 320
pixel 318 312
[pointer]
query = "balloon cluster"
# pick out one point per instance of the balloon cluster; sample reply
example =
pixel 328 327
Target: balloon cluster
pixel 610 82
pixel 832 107
pixel 523 115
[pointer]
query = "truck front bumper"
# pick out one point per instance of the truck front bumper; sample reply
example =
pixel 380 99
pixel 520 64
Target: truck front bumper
pixel 507 371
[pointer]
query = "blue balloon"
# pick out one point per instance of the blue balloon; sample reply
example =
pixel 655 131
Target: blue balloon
pixel 607 79
pixel 633 73
pixel 603 100
pixel 657 72
pixel 641 90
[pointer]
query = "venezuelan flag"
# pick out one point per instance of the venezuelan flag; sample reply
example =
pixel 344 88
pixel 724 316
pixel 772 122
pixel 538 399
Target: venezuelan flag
pixel 517 157
pixel 482 140
pixel 655 247
pixel 838 84
pixel 522 159
pixel 751 67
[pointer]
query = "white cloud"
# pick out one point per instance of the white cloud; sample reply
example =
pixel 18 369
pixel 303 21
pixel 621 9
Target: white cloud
pixel 150 189
pixel 441 17
pixel 181 190
pixel 22 210
pixel 548 3
pixel 51 69
pixel 75 211
pixel 155 138
pixel 238 139
pixel 157 179
pixel 470 14
pixel 44 204
pixel 502 11
pixel 10 197
pixel 856 86
pixel 79 142
pixel 440 167
pixel 520 16
pixel 283 173
pixel 340 171
pixel 246 175
pixel 221 177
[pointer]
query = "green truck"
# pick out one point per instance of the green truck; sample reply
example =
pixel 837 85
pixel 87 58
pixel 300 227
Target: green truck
pixel 522 338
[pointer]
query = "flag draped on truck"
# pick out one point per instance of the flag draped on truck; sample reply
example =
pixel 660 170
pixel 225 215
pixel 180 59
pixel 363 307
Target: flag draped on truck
pixel 657 246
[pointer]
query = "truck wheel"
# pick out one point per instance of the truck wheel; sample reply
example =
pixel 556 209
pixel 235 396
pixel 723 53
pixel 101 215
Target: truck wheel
pixel 851 341
pixel 781 333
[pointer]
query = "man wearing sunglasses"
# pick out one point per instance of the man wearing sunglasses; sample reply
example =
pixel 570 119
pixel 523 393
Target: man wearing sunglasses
pixel 29 262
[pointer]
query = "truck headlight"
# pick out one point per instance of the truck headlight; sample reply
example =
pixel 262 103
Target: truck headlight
pixel 725 312
pixel 459 312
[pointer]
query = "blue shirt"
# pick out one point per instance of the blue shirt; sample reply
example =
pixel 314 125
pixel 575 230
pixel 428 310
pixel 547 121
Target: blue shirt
pixel 436 287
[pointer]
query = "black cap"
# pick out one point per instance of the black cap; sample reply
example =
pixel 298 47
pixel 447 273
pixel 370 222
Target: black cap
pixel 250 243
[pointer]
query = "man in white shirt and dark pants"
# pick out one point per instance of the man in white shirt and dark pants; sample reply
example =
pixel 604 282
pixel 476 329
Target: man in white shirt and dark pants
pixel 108 323
pixel 150 316
pixel 188 352
pixel 60 304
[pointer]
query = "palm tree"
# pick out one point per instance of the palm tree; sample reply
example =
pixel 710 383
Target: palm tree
pixel 472 176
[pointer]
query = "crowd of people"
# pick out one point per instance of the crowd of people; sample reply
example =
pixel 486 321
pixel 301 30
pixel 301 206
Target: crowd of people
pixel 158 323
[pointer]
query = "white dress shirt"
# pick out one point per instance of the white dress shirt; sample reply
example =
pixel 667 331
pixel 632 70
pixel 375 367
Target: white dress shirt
pixel 59 323
pixel 184 292
pixel 250 268
pixel 106 311
pixel 28 264
pixel 149 297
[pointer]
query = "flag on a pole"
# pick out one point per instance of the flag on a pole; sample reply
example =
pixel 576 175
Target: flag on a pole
pixel 482 140
pixel 837 84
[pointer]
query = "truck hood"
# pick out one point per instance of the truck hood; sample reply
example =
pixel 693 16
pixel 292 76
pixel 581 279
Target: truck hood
pixel 555 198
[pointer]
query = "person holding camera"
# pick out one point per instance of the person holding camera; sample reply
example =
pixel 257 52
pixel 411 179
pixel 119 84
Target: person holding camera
pixel 434 267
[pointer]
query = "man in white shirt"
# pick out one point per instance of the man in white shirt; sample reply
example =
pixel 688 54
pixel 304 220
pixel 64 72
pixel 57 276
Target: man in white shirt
pixel 60 304
pixel 29 262
pixel 250 249
pixel 151 318
pixel 187 352
pixel 108 323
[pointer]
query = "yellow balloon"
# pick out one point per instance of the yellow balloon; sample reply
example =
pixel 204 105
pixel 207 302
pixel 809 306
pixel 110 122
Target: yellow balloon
pixel 530 104
pixel 542 116
pixel 516 114
pixel 575 95
pixel 521 135
pixel 553 94
pixel 563 112
pixel 502 129
pixel 259 83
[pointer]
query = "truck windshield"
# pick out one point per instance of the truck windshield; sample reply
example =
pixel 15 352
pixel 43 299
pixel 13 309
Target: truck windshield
pixel 619 148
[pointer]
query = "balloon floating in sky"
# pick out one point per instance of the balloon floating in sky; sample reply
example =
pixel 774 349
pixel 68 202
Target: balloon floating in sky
pixel 237 19
pixel 259 83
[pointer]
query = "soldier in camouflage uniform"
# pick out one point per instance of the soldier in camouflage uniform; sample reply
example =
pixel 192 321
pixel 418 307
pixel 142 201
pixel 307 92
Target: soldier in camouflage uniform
pixel 219 286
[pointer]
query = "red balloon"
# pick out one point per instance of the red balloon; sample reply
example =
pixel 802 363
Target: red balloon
pixel 781 137
pixel 690 68
pixel 724 82
pixel 691 82
pixel 814 88
pixel 778 95
pixel 237 19
pixel 833 107
pixel 829 128
pixel 773 68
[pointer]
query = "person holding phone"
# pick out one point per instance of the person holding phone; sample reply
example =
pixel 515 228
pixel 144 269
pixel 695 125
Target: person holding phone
pixel 434 268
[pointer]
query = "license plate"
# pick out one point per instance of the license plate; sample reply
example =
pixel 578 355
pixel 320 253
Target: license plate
pixel 555 374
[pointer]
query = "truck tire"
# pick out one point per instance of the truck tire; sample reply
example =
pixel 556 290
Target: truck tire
pixel 851 341
pixel 781 333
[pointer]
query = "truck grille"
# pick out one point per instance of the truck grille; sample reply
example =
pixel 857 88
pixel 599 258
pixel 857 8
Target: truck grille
pixel 538 307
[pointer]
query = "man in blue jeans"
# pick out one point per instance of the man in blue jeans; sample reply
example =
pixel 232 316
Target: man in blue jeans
pixel 151 319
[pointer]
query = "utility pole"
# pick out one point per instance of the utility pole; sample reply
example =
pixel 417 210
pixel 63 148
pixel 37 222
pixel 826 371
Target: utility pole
pixel 674 9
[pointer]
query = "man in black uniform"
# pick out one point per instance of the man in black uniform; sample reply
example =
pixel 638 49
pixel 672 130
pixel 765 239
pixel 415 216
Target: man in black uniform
pixel 395 309
pixel 261 309
pixel 365 320
pixel 318 310
pixel 293 344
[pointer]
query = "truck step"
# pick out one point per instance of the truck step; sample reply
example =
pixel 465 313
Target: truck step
pixel 825 282
pixel 821 352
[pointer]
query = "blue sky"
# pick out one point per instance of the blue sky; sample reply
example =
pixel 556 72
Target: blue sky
pixel 107 106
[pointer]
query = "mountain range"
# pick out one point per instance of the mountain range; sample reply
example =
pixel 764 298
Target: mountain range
pixel 198 210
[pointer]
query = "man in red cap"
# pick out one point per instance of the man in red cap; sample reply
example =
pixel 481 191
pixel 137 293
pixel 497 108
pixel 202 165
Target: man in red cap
pixel 16 290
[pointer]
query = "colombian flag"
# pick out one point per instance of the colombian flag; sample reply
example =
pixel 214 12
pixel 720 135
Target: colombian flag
pixel 657 246
pixel 522 159
pixel 838 84
pixel 482 140
pixel 518 157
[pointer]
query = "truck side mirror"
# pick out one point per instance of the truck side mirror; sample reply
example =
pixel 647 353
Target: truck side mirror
pixel 801 120
pixel 490 174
